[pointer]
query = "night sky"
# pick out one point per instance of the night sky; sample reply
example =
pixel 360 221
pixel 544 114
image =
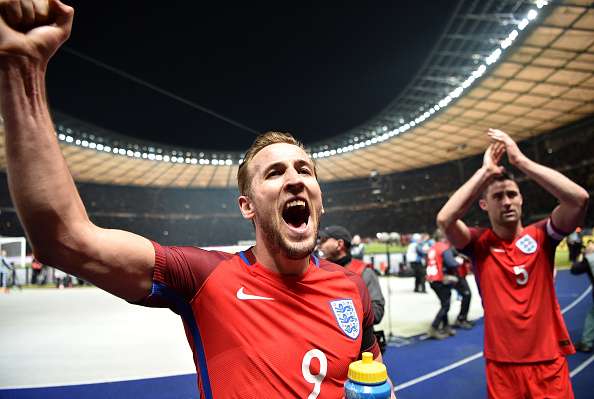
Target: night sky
pixel 315 70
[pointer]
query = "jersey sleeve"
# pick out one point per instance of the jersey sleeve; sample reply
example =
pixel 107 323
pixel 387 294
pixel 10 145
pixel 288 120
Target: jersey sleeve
pixel 475 233
pixel 553 232
pixel 179 273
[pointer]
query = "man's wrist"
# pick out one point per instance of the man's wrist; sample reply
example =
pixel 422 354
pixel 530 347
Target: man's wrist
pixel 485 173
pixel 520 161
pixel 21 64
pixel 22 92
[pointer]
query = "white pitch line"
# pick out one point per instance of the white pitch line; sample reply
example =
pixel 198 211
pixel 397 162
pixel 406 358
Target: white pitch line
pixel 480 354
pixel 438 371
pixel 582 366
pixel 577 300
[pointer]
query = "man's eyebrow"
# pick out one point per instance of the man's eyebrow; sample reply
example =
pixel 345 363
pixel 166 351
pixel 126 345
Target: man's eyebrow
pixel 273 165
pixel 301 162
pixel 282 165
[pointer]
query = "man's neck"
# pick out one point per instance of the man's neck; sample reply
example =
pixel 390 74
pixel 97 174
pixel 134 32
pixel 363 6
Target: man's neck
pixel 508 232
pixel 343 259
pixel 277 262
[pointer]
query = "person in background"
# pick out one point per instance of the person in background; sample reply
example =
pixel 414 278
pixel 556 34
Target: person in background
pixel 574 244
pixel 439 258
pixel 6 270
pixel 37 272
pixel 415 259
pixel 462 288
pixel 357 248
pixel 586 265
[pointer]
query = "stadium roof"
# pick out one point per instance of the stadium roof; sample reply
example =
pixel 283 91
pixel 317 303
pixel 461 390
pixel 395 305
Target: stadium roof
pixel 525 67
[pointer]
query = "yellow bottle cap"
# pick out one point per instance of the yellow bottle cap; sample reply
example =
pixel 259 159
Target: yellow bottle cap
pixel 367 370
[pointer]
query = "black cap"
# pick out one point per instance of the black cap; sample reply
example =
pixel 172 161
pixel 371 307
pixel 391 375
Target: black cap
pixel 336 232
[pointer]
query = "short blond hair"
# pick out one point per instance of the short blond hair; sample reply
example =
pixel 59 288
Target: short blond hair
pixel 244 179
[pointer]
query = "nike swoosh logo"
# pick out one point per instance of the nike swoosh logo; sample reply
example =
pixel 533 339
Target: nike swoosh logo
pixel 246 297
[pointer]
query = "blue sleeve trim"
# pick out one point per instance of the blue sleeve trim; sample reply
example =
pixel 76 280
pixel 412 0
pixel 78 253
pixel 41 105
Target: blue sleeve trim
pixel 184 309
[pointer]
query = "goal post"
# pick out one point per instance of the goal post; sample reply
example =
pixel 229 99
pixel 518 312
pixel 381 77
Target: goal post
pixel 16 250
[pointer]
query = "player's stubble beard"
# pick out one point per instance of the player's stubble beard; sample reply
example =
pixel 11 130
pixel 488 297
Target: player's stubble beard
pixel 271 228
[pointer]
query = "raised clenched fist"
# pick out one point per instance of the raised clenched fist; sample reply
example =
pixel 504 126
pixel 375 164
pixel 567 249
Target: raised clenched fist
pixel 25 15
pixel 33 28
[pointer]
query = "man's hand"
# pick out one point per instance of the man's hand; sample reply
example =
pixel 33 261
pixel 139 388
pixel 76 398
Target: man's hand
pixel 33 28
pixel 492 158
pixel 514 155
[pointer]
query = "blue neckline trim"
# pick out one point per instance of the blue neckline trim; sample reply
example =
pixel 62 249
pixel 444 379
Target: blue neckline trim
pixel 244 258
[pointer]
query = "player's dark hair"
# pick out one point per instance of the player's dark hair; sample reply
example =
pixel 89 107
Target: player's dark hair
pixel 499 178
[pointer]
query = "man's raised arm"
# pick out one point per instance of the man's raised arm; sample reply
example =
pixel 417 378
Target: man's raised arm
pixel 573 199
pixel 449 217
pixel 40 183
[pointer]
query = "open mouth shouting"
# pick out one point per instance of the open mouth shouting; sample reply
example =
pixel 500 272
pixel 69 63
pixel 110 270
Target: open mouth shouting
pixel 296 214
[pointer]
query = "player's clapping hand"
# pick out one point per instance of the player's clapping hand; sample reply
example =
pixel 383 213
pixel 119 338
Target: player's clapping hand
pixel 514 155
pixel 33 28
pixel 492 158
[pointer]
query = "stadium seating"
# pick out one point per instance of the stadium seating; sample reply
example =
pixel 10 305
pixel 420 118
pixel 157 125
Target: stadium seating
pixel 404 202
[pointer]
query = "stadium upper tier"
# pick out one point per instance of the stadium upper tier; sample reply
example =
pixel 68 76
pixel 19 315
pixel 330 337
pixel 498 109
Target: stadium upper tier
pixel 522 66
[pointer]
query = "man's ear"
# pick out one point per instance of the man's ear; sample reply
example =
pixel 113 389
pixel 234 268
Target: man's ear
pixel 483 204
pixel 246 207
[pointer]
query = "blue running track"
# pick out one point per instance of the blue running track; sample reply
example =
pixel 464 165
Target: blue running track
pixel 448 369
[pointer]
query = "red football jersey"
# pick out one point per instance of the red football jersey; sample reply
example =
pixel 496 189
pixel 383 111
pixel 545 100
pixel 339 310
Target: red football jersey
pixel 435 261
pixel 257 334
pixel 523 321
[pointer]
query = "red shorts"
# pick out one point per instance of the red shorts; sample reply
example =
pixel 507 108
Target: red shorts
pixel 548 379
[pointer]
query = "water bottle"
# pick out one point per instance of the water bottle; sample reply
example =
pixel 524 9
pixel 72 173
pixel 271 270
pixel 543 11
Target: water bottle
pixel 367 380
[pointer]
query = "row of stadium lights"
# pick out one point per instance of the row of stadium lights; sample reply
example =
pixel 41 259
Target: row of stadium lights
pixel 385 132
pixel 477 73
pixel 138 154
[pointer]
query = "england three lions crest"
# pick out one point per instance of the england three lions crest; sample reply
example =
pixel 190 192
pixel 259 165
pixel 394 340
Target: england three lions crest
pixel 527 244
pixel 346 317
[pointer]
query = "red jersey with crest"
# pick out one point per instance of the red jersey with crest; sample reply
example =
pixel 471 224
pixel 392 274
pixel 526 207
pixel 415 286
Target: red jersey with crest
pixel 257 334
pixel 523 321
pixel 435 261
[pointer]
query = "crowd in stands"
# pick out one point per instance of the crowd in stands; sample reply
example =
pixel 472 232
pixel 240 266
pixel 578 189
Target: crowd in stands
pixel 405 202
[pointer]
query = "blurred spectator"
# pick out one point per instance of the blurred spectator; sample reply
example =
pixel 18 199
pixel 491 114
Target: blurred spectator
pixel 586 265
pixel 38 275
pixel 357 248
pixel 440 257
pixel 5 270
pixel 415 258
pixel 461 286
pixel 63 280
pixel 574 244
